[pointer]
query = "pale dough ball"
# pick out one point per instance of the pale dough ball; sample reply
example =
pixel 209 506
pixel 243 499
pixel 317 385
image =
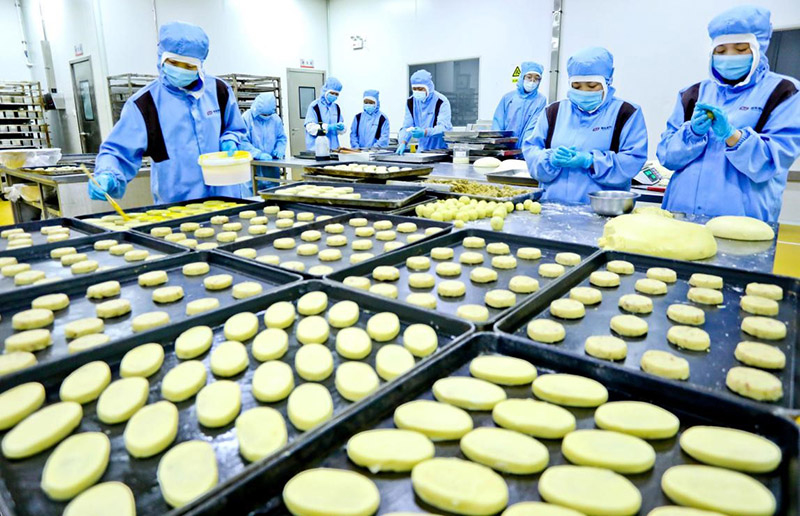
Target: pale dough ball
pixel 311 235
pixel 286 214
pixel 83 267
pixel 334 229
pixel 32 319
pixel 149 320
pixel 284 243
pixel 201 305
pixel 168 294
pixel 474 313
pixel 358 222
pixel 570 390
pixel 662 274
pixel 468 393
pixel 686 314
pixel 500 298
pixel 353 343
pixel 421 280
pixel 759 305
pixel 386 273
pixel 629 325
pixel 206 246
pixel 385 236
pixel 204 232
pixel 764 327
pixel 418 263
pixel 604 279
pixel 606 347
pixel 406 227
pixel 358 282
pixel 52 302
pixel 636 304
pixel 388 449
pixel 30 340
pixel 448 269
pixel 142 361
pixel 498 248
pixel 136 255
pixel 189 227
pixel 270 344
pixel 545 330
pixel 504 262
pixel 567 309
pixel 257 229
pixel 362 245
pixel 81 327
pixel 312 330
pixel 620 267
pixel 87 342
pixel 217 404
pixel 196 269
pixel 103 245
pixel 665 365
pixel 569 259
pixel 343 314
pixel 383 327
pixel 103 290
pixel 355 380
pixel 120 249
pixel 705 296
pixel 305 216
pixel 113 308
pixel 231 227
pixel 483 274
pixel 470 258
pixel 451 288
pixel 229 358
pixel 219 220
pixel 523 284
pixel 385 290
pixel 246 289
pixel 442 253
pixel 551 270
pixel 422 299
pixel 391 246
pixel 650 286
pixel 754 383
pixel 270 210
pixel 16 361
pixel 246 252
pixel 383 225
pixel 330 255
pixel 705 280
pixel 313 362
pixel 765 290
pixel 122 399
pixel 218 282
pixel 357 258
pixel 12 269
pixel 175 237
pixel 365 232
pixel 586 295
pixel 474 242
pixel 529 253
pixel 312 303
pixel 689 337
pixel 760 355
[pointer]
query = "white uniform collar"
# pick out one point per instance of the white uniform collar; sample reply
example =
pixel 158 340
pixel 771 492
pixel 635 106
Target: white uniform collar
pixel 748 38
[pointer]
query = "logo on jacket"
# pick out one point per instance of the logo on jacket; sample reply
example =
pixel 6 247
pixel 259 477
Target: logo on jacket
pixel 601 128
pixel 753 108
pixel 212 111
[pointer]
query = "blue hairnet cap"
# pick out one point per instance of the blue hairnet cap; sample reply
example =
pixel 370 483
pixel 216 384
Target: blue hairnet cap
pixel 743 19
pixel 372 93
pixel 183 39
pixel 424 78
pixel 529 66
pixel 592 61
pixel 264 104
pixel 332 84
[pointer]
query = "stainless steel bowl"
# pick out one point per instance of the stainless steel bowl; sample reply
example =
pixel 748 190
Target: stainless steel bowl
pixel 612 202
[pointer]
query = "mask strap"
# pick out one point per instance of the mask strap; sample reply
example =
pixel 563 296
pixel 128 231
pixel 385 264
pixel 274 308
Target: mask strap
pixel 748 38
pixel 592 78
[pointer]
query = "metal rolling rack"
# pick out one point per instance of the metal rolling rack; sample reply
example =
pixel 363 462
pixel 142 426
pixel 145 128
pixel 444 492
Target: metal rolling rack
pixel 248 87
pixel 121 87
pixel 22 121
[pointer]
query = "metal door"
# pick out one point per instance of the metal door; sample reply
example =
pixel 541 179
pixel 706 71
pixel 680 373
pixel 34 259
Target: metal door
pixel 85 105
pixel 304 86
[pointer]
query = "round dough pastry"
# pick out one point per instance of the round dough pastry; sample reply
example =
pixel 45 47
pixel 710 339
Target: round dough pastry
pixel 406 227
pixel 354 259
pixel 392 361
pixel 83 267
pixel 121 399
pixel 754 383
pixel 472 242
pixel 105 498
pixel 358 222
pixel 204 232
pixel 307 249
pixel 391 246
pixel 502 370
pixel 60 252
pixel 569 259
pixel 12 269
pixel 760 355
pixel 451 288
pixel 442 253
pixel 389 449
pixel 705 296
pixel 590 490
pixel 386 273
pixel 218 282
pixel 385 290
pixel 334 229
pixel 196 269
pixel 365 232
pixel 385 236
pixel 247 289
pixel 272 381
pixel 342 314
pixel 73 258
pixel 470 258
pixel 32 319
pixel 136 255
pixel 759 305
pixel 422 299
pixel 606 347
pixel 440 482
pixel 229 358
pixel 717 489
pixel 650 286
pixel 151 430
pixel 498 248
pixel 183 381
pixel 61 480
pixel 418 263
pixel 505 262
pixel 19 402
pixel 41 430
pixel 87 342
pixel 764 290
pixel 586 295
pixel 284 243
pixel 604 279
pixel 16 361
pixel 81 327
pixel 468 393
pixel 330 255
pixel 219 220
pixel 353 343
pixel 312 330
pixel 260 432
pixel 505 450
pixel 311 235
pixel 270 344
pixel 361 245
pixel 662 274
pixel 241 327
pixel 500 298
pixel 309 405
pixel 688 337
pixel 420 339
pixel 383 327
pixel 705 280
pixel 637 418
pixel 421 280
pixel 143 360
pixel 355 380
pixel 53 302
pixel 438 421
pixel 317 492
pixel 113 308
pixel 545 330
pixel 629 325
pixel 280 315
pixel 218 403
pixel 620 267
pixel 731 448
pixel 474 313
pixel 104 245
pixel 522 284
pixel 85 383
pixel 201 305
pixel 636 304
pixel 358 282
pixel 665 365
pixel 186 471
pixel 570 390
pixel 764 328
pixel 567 309
pixel 149 320
pixel 532 417
pixel 448 269
pixel 168 294
pixel 529 253
pixel 686 314
pixel 312 303
pixel 616 451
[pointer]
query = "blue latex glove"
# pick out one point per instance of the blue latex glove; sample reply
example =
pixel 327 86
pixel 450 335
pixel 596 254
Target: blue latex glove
pixel 573 159
pixel 417 132
pixel 279 156
pixel 561 156
pixel 263 156
pixel 228 146
pixel 701 122
pixel 401 148
pixel 339 126
pixel 108 183
pixel 720 125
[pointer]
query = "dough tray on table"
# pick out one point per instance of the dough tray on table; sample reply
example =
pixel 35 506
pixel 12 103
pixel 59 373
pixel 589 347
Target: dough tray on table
pixel 373 196
pixel 77 229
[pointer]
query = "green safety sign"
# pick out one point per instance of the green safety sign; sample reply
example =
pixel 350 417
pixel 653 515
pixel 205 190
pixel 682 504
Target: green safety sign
pixel 515 75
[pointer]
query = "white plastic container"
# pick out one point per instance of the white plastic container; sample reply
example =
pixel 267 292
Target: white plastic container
pixel 221 170
pixel 29 158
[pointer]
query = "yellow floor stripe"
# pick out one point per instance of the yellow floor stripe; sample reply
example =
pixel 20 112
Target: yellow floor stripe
pixel 787 252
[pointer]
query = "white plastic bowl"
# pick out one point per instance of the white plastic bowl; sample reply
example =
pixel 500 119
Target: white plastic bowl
pixel 221 170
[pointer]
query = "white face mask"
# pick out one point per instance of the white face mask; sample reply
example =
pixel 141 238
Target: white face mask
pixel 530 86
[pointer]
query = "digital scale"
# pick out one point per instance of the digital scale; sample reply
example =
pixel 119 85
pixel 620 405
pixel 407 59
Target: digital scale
pixel 648 176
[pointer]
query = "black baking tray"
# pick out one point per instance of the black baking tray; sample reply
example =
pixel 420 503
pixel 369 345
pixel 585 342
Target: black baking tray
pixel 164 206
pixel 260 495
pixel 78 229
pixel 413 171
pixel 475 291
pixel 140 297
pixel 19 480
pixel 707 369
pixel 263 244
pixel 372 195
pixel 534 194
pixel 233 216
pixel 39 256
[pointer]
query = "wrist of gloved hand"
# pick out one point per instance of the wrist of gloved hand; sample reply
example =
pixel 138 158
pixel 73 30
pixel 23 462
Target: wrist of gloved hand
pixel 584 159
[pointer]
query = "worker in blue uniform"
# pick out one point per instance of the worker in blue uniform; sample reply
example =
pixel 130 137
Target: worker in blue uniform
pixel 519 109
pixel 265 138
pixel 370 128
pixel 173 120
pixel 590 141
pixel 427 115
pixel 324 116
pixel 733 136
